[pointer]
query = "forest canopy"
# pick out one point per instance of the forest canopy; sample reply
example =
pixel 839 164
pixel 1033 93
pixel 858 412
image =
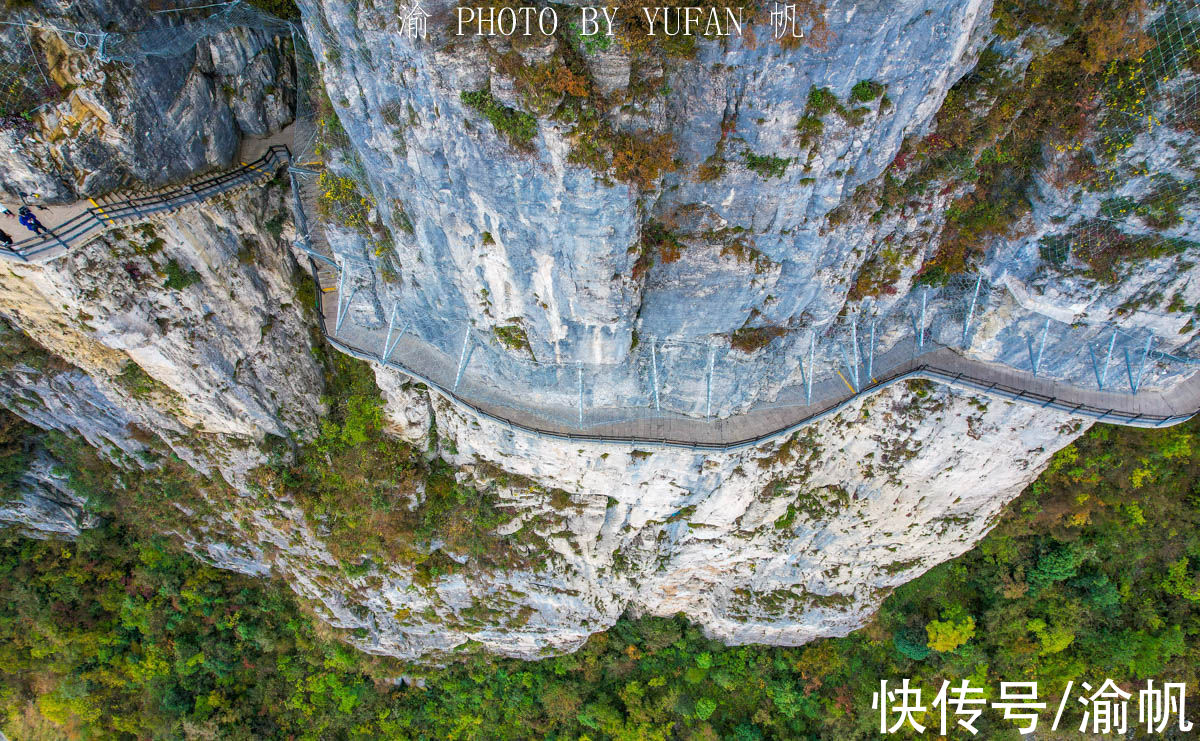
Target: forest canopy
pixel 1092 573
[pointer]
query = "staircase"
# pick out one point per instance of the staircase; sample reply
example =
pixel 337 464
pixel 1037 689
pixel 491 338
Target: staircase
pixel 131 206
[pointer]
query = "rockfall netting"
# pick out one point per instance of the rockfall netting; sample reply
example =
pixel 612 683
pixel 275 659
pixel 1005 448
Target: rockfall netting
pixel 350 236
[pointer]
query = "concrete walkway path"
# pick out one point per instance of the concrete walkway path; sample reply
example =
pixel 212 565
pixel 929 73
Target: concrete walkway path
pixel 71 225
pixel 75 224
pixel 643 426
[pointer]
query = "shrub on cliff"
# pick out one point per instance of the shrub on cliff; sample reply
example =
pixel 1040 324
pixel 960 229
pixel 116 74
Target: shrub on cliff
pixel 517 126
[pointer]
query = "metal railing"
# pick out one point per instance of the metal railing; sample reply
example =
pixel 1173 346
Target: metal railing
pixel 98 219
pixel 926 371
pixel 117 211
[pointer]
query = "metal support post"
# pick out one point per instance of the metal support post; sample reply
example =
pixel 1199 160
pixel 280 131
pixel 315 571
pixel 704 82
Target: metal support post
pixel 1142 365
pixel 853 376
pixel 1102 375
pixel 1136 381
pixel 808 378
pixel 871 355
pixel 1108 359
pixel 654 372
pixel 971 312
pixel 1036 360
pixel 388 345
pixel 708 384
pixel 343 307
pixel 462 357
pixel 854 350
pixel 387 341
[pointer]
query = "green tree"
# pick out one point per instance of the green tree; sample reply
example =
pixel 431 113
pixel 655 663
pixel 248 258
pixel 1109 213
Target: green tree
pixel 1179 583
pixel 1057 565
pixel 947 635
pixel 915 648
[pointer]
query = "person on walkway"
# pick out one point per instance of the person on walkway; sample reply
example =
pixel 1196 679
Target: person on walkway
pixel 30 222
pixel 5 239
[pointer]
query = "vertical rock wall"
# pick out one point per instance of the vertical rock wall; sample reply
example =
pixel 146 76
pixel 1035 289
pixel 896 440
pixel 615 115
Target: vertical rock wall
pixel 152 120
pixel 188 328
pixel 779 544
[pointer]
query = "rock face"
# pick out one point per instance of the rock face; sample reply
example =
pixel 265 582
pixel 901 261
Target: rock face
pixel 767 220
pixel 46 505
pixel 781 544
pixel 504 238
pixel 554 243
pixel 1154 294
pixel 187 328
pixel 179 105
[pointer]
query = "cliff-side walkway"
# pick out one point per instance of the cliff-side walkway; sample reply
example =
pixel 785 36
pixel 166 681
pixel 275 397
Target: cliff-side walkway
pixel 443 373
pixel 76 224
pixel 71 225
pixel 427 365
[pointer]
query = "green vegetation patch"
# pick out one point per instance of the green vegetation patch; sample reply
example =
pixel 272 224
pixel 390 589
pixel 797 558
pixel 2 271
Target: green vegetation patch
pixel 658 242
pixel 1159 209
pixel 138 382
pixel 358 483
pixel 153 244
pixel 16 452
pixel 517 126
pixel 766 165
pixel 753 339
pixel 513 336
pixel 822 102
pixel 821 504
pixel 19 349
pixel 637 158
pixel 279 8
pixel 178 277
pixel 1107 253
pixel 879 275
pixel 274 225
pixel 593 44
pixel 865 91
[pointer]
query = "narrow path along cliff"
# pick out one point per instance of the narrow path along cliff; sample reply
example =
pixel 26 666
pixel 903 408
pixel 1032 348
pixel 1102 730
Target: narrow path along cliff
pixel 75 224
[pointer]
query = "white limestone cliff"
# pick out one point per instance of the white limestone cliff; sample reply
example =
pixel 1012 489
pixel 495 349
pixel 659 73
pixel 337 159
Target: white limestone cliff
pixel 187 329
pixel 778 544
pixel 191 333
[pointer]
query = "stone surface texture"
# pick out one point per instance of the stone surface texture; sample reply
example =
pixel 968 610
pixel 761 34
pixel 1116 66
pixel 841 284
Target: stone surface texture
pixel 191 332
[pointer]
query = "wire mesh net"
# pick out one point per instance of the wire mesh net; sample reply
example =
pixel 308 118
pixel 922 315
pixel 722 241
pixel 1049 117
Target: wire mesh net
pixel 675 379
pixel 1148 106
pixel 1143 208
pixel 334 186
pixel 24 84
pixel 177 31
pixel 86 148
pixel 86 140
